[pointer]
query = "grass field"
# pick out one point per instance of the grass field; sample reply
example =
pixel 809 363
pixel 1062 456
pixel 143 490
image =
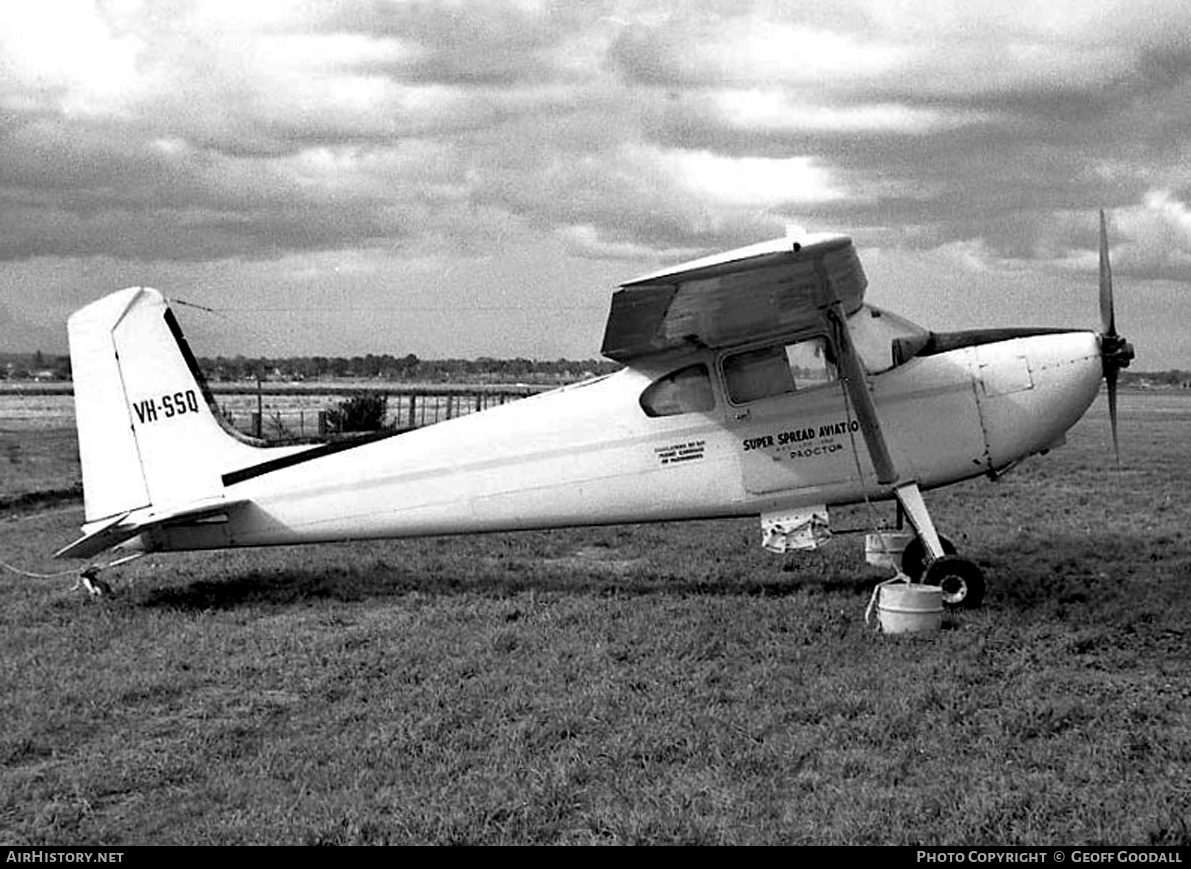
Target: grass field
pixel 635 684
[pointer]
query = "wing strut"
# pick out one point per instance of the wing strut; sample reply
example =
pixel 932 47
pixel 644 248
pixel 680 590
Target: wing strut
pixel 857 385
pixel 856 381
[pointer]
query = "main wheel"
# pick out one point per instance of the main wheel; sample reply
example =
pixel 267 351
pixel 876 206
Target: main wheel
pixel 961 580
pixel 914 556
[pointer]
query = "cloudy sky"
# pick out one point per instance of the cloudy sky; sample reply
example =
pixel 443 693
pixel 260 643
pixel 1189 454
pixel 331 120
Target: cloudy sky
pixel 475 177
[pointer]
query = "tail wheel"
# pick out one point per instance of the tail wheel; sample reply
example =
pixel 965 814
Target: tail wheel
pixel 961 580
pixel 914 558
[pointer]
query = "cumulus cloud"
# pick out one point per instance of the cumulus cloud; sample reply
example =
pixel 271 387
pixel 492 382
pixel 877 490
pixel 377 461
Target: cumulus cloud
pixel 586 240
pixel 199 131
pixel 1156 237
pixel 755 181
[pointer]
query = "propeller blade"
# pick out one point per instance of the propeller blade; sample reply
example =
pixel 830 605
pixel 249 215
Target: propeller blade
pixel 1110 379
pixel 1107 316
pixel 1115 351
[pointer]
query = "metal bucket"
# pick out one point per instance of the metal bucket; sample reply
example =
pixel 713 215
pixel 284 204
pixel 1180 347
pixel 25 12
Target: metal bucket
pixel 905 608
pixel 885 548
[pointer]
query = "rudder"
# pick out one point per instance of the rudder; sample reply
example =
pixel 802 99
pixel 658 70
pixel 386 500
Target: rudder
pixel 147 434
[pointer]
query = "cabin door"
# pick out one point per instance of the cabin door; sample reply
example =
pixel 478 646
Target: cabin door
pixel 789 413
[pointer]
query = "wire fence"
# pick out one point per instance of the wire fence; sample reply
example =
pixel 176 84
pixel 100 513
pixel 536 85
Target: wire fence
pixel 285 417
pixel 282 412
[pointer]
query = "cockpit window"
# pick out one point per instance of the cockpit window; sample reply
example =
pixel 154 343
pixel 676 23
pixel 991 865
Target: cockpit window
pixel 779 369
pixel 883 340
pixel 687 390
pixel 757 374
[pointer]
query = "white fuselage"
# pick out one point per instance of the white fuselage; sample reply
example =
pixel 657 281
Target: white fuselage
pixel 588 454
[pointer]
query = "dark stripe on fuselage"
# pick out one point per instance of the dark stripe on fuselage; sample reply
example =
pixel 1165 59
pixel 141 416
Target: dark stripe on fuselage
pixel 317 452
pixel 233 477
pixel 944 342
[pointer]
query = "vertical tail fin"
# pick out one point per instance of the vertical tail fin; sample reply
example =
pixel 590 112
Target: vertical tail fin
pixel 148 435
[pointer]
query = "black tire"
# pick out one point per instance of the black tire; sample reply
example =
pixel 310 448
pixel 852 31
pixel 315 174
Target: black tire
pixel 914 556
pixel 961 580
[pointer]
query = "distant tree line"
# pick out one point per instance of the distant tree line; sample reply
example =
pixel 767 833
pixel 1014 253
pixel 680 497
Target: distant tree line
pixel 34 366
pixel 408 368
pixel 38 366
pixel 1173 377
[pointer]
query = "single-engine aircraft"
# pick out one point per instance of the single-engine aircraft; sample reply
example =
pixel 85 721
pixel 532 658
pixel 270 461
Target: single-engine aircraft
pixel 755 382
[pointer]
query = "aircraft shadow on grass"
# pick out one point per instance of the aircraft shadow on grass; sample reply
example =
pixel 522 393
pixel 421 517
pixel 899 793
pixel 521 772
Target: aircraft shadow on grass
pixel 627 579
pixel 1058 568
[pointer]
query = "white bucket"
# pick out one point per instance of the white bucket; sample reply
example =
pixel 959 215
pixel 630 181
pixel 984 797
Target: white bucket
pixel 905 608
pixel 885 548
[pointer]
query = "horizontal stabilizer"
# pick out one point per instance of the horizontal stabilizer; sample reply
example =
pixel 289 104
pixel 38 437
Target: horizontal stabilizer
pixel 94 542
pixel 124 527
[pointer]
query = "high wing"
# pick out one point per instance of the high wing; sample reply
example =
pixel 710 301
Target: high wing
pixel 756 292
pixel 769 290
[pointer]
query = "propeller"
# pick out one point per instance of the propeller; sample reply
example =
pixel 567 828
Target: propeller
pixel 1115 352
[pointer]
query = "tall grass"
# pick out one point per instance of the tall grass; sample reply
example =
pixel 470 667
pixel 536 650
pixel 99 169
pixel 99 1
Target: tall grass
pixel 636 684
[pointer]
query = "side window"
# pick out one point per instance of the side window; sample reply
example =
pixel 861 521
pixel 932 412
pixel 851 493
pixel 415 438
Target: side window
pixel 777 370
pixel 757 374
pixel 687 390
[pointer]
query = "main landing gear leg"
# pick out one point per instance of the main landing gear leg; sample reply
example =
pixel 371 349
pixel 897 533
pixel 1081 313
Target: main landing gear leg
pixel 910 498
pixel 933 558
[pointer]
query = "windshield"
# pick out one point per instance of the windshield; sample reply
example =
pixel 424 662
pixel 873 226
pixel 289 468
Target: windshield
pixel 882 339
